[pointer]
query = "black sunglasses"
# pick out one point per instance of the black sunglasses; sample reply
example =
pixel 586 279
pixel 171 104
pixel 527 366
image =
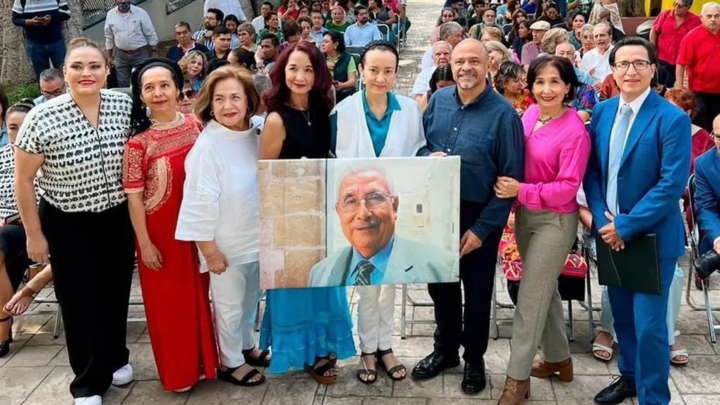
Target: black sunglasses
pixel 714 135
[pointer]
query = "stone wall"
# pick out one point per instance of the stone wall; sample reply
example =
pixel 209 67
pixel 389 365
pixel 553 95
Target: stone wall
pixel 292 220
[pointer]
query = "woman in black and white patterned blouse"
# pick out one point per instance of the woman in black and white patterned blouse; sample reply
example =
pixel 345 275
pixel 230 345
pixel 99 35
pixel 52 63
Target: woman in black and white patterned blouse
pixel 82 226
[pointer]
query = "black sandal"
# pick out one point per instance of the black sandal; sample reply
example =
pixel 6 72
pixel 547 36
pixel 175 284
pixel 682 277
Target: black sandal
pixel 259 361
pixel 318 373
pixel 245 382
pixel 392 371
pixel 364 372
pixel 5 344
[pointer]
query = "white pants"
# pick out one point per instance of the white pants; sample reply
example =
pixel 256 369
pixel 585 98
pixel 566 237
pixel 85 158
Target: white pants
pixel 235 295
pixel 376 310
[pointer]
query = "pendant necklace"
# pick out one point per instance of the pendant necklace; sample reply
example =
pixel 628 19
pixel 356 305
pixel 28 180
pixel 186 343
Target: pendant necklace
pixel 306 115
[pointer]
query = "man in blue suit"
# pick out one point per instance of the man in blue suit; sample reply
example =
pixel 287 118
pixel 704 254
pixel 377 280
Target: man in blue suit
pixel 707 193
pixel 637 172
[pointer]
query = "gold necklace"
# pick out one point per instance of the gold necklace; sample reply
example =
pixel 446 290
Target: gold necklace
pixel 155 124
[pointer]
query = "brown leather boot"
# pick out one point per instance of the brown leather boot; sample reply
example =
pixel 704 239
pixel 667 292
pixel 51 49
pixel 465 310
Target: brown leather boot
pixel 543 369
pixel 515 392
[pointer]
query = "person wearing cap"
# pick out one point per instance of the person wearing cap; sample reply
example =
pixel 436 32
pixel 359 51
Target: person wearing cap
pixel 531 50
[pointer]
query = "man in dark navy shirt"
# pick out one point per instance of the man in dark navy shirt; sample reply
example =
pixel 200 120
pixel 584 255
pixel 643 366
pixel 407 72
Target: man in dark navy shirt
pixel 476 123
pixel 43 23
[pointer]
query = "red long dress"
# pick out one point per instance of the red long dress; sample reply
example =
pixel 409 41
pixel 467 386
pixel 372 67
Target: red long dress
pixel 176 297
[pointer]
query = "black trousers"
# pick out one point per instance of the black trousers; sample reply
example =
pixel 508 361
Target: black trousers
pixel 669 74
pixel 477 274
pixel 92 257
pixel 708 107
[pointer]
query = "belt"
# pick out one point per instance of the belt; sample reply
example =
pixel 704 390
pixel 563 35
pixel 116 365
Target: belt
pixel 142 48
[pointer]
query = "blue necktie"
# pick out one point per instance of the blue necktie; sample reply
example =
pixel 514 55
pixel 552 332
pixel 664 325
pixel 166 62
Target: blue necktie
pixel 364 269
pixel 617 145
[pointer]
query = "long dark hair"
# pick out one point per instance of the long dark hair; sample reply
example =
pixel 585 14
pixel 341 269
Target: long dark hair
pixel 279 94
pixel 139 120
pixel 3 105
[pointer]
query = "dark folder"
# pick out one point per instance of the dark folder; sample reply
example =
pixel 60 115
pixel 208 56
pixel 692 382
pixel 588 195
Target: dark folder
pixel 636 267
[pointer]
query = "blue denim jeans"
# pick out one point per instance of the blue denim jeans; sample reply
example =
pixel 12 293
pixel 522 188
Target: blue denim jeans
pixel 41 55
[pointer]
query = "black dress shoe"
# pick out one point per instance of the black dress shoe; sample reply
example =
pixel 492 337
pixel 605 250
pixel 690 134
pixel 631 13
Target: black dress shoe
pixel 434 364
pixel 620 390
pixel 474 379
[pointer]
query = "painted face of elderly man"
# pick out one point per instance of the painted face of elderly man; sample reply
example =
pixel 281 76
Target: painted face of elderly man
pixel 367 210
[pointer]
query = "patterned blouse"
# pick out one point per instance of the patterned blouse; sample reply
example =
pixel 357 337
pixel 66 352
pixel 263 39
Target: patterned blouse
pixel 522 102
pixel 82 170
pixel 8 204
pixel 147 168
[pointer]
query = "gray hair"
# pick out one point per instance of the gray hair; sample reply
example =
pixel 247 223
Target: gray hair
pixel 553 38
pixel 586 27
pixel 449 28
pixel 49 75
pixel 247 27
pixel 606 25
pixel 441 42
pixel 498 46
pixel 370 168
pixel 708 5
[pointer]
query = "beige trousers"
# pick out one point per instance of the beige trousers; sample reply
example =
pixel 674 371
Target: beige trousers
pixel 544 240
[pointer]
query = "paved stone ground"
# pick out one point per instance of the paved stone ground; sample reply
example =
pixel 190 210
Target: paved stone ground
pixel 37 372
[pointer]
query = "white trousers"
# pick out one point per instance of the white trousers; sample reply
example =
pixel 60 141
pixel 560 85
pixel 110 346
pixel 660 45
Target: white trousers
pixel 376 311
pixel 235 294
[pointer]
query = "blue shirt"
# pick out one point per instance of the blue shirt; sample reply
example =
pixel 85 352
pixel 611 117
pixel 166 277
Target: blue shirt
pixel 39 100
pixel 584 77
pixel 318 36
pixel 356 35
pixel 380 261
pixel 488 136
pixel 378 128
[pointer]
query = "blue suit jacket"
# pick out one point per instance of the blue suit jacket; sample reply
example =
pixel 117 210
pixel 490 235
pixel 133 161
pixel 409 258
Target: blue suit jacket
pixel 707 197
pixel 653 172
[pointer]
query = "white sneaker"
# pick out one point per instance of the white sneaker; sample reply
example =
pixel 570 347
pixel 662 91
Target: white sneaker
pixel 123 376
pixel 93 400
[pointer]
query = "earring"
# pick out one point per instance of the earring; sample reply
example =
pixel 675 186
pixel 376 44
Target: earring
pixel 212 114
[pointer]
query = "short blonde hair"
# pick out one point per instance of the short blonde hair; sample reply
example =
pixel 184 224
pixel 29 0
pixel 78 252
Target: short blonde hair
pixel 191 56
pixel 553 38
pixel 492 31
pixel 203 106
pixel 498 46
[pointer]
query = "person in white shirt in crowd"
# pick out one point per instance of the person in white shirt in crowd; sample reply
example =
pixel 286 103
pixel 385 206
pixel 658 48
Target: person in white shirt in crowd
pixel 441 52
pixel 597 61
pixel 220 211
pixel 228 7
pixel 452 33
pixel 130 39
pixel 52 84
pixel 361 33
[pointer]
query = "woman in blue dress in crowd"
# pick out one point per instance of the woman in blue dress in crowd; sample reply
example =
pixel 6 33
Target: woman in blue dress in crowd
pixel 306 328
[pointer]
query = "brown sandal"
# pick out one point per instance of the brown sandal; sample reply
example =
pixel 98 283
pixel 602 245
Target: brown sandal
pixel 391 372
pixel 318 373
pixel 364 374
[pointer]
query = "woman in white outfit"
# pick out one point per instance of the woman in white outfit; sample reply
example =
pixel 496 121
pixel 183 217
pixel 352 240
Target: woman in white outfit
pixel 377 123
pixel 220 214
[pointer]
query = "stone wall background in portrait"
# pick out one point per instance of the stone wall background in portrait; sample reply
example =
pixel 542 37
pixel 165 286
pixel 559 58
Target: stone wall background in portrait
pixel 428 194
pixel 292 220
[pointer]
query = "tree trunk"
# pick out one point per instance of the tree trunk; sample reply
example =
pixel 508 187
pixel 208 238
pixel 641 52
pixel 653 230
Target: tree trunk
pixel 15 67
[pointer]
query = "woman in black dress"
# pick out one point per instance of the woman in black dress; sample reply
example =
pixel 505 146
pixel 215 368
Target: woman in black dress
pixel 307 327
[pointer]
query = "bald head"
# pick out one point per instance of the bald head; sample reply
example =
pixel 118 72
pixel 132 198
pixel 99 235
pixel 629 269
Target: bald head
pixel 471 45
pixel 716 125
pixel 470 65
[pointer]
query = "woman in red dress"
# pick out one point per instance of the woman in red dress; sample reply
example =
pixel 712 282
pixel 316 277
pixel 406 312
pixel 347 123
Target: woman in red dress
pixel 175 294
